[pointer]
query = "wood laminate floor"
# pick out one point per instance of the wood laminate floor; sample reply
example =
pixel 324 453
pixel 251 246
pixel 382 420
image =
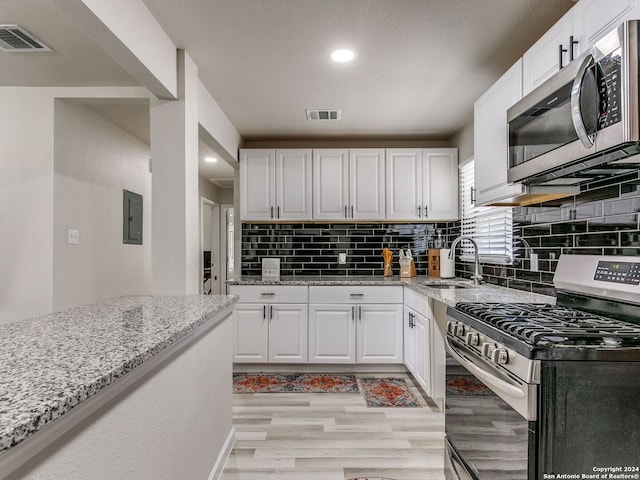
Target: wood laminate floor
pixel 328 436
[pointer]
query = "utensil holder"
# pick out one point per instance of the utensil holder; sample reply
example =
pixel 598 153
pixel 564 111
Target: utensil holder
pixel 407 268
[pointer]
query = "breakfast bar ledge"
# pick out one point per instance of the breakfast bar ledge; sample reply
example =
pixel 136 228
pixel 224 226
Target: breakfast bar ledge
pixel 137 386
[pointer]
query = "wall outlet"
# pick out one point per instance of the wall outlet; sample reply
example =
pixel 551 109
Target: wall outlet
pixel 342 258
pixel 73 237
pixel 533 262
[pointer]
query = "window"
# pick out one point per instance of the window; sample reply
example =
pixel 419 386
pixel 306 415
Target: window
pixel 490 227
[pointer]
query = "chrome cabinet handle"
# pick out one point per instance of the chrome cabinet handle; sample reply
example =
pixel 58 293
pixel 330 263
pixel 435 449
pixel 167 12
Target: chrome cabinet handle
pixel 271 212
pixel 576 112
pixel 267 294
pixel 351 211
pixel 426 211
pixel 278 211
pixel 353 313
pixel 270 312
pixel 356 295
pixel 360 313
pixel 419 211
pixel 264 312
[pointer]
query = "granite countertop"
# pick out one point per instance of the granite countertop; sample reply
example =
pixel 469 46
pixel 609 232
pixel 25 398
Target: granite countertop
pixel 474 293
pixel 52 363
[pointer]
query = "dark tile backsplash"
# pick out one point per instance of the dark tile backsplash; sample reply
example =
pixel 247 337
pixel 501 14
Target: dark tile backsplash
pixel 599 221
pixel 602 220
pixel 312 249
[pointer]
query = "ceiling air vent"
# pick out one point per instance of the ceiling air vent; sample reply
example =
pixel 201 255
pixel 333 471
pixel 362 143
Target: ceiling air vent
pixel 324 114
pixel 16 39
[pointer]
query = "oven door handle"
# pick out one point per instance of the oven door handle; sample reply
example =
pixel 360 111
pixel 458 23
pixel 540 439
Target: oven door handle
pixel 576 112
pixel 510 390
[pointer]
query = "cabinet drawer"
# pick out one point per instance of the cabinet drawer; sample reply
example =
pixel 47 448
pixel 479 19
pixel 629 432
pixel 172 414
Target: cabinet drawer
pixel 418 302
pixel 368 294
pixel 270 293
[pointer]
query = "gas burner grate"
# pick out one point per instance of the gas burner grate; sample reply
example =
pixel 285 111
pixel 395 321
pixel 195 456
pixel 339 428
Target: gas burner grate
pixel 545 324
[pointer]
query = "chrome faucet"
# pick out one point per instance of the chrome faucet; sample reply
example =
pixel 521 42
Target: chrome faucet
pixel 477 274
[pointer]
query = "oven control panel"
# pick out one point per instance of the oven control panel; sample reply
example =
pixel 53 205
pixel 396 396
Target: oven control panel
pixel 627 273
pixel 484 346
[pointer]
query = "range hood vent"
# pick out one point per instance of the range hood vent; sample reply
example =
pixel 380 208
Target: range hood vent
pixel 14 38
pixel 324 114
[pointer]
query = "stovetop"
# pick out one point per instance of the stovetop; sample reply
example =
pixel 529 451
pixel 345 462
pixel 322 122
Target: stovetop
pixel 552 331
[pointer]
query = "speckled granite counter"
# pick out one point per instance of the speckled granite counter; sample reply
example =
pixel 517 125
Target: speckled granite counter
pixel 481 293
pixel 51 364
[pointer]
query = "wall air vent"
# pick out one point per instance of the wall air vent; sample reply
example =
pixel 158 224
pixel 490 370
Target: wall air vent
pixel 324 114
pixel 16 39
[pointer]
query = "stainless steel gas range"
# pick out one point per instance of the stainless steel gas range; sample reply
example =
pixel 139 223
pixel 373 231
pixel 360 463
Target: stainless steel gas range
pixel 537 390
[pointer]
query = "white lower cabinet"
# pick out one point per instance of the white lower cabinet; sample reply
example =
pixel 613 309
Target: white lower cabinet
pixel 418 334
pixel 266 332
pixel 350 325
pixel 416 340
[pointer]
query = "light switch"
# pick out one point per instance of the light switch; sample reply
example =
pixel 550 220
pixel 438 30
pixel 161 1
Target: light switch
pixel 533 262
pixel 73 237
pixel 342 258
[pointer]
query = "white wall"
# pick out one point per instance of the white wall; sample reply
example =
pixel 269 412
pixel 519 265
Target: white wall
pixel 26 207
pixel 94 161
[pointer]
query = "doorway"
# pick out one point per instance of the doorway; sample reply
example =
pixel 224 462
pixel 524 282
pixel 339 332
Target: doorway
pixel 210 250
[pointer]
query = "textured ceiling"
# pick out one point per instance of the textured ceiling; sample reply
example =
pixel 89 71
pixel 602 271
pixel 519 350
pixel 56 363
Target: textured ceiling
pixel 420 64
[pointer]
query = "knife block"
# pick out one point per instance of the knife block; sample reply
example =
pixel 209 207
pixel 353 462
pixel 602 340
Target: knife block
pixel 407 269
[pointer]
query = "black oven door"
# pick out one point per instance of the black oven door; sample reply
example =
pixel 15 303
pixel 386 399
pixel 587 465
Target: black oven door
pixel 486 437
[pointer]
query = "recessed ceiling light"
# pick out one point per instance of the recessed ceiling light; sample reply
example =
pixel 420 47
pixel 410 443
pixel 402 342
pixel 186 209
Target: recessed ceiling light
pixel 342 55
pixel 210 159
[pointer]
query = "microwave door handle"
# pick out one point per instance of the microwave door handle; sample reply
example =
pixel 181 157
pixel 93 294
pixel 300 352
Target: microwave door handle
pixel 576 113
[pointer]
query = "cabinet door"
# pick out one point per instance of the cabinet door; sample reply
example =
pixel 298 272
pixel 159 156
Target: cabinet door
pixel 422 371
pixel 250 333
pixel 440 184
pixel 491 136
pixel 594 18
pixel 366 184
pixel 332 334
pixel 288 333
pixel 404 184
pixel 379 334
pixel 257 184
pixel 542 60
pixel 293 185
pixel 409 341
pixel 330 184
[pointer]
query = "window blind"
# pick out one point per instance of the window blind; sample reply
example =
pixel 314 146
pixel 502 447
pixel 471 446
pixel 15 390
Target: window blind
pixel 490 227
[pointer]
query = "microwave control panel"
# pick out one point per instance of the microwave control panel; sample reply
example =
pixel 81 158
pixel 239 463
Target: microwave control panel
pixel 609 77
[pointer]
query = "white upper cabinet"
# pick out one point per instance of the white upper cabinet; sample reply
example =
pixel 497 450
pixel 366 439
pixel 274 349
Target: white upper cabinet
pixel 440 173
pixel 275 184
pixel 348 184
pixel 573 34
pixel 549 54
pixel 491 137
pixel 595 18
pixel 366 184
pixel 422 184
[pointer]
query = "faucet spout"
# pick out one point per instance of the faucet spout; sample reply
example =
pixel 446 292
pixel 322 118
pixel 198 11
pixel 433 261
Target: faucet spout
pixel 477 274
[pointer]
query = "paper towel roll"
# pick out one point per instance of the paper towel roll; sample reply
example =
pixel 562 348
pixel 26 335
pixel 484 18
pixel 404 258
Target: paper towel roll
pixel 447 267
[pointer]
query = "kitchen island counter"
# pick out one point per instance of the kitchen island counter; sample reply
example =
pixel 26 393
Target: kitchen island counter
pixel 52 365
pixel 473 293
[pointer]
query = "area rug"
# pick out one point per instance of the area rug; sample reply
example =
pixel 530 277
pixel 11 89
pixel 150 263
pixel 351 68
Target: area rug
pixel 466 385
pixel 294 383
pixel 388 392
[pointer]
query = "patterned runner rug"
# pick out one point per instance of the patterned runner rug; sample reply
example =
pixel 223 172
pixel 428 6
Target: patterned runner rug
pixel 294 383
pixel 388 392
pixel 466 385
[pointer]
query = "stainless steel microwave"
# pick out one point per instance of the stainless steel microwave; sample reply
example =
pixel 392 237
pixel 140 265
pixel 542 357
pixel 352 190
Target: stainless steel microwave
pixel 582 123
